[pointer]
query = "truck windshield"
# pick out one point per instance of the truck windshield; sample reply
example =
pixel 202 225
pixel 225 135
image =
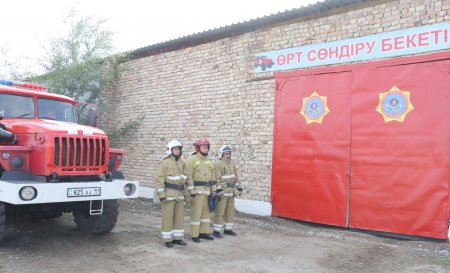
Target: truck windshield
pixel 56 110
pixel 14 106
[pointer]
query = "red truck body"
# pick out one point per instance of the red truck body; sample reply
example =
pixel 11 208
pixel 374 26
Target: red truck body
pixel 49 164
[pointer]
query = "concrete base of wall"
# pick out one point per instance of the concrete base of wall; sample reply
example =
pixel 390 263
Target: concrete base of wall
pixel 242 205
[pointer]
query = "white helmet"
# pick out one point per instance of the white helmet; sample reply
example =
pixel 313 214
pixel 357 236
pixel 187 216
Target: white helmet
pixel 224 149
pixel 171 144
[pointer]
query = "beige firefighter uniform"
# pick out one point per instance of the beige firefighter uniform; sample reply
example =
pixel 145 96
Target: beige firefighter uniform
pixel 201 183
pixel 227 181
pixel 170 182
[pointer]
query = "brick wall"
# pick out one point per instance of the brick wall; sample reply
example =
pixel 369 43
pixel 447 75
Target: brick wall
pixel 211 90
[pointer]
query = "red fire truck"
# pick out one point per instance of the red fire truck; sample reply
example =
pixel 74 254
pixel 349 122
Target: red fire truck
pixel 50 164
pixel 263 62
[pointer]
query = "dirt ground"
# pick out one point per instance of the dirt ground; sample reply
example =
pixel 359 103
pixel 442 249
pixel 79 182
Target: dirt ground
pixel 263 244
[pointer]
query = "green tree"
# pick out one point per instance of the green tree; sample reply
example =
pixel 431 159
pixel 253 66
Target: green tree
pixel 79 64
pixel 76 64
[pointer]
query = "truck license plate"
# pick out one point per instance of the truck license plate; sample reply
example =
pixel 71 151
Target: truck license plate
pixel 89 191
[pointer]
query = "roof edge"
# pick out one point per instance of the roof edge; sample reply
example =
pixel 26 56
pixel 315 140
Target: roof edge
pixel 317 10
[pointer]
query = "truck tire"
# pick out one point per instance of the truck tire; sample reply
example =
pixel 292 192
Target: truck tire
pixel 97 224
pixel 2 220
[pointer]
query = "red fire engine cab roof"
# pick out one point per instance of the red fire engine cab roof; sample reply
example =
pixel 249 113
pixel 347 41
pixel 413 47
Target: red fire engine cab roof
pixel 28 89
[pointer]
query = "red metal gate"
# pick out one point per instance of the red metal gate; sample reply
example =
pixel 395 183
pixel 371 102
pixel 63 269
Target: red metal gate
pixel 390 120
pixel 311 161
pixel 400 170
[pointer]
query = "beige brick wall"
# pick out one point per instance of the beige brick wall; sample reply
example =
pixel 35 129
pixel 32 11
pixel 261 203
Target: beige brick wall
pixel 211 90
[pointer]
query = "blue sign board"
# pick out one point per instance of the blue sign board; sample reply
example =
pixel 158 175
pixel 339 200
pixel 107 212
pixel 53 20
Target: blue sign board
pixel 388 44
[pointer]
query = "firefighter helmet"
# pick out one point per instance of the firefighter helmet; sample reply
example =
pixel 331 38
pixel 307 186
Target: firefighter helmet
pixel 224 149
pixel 200 142
pixel 172 144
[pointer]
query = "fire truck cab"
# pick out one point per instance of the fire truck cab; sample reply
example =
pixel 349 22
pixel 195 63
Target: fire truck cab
pixel 50 164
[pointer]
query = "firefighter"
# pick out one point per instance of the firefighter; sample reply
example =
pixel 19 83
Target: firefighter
pixel 170 183
pixel 201 183
pixel 227 183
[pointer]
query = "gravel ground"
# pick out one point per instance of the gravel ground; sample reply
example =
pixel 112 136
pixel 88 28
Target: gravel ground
pixel 263 244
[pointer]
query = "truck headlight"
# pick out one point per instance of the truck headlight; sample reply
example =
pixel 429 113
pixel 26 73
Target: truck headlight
pixel 129 189
pixel 5 156
pixel 27 193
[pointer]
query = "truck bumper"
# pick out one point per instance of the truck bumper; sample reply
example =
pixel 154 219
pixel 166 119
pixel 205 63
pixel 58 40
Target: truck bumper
pixel 10 191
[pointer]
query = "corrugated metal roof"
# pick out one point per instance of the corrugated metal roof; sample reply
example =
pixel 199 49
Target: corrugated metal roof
pixel 243 27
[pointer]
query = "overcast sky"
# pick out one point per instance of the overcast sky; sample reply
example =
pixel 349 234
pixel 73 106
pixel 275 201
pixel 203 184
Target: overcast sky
pixel 26 24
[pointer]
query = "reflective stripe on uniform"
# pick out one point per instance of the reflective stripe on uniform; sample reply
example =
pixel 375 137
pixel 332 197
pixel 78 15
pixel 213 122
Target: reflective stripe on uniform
pixel 178 232
pixel 203 192
pixel 195 223
pixel 228 194
pixel 227 176
pixel 166 234
pixel 179 198
pixel 205 220
pixel 217 227
pixel 159 190
pixel 183 176
pixel 177 177
pixel 190 187
pixel 228 226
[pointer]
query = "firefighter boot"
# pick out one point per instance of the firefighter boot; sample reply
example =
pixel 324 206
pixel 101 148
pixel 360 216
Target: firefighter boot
pixel 205 236
pixel 179 242
pixel 217 234
pixel 169 244
pixel 230 232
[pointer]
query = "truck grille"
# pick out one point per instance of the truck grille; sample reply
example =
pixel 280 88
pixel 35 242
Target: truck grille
pixel 79 152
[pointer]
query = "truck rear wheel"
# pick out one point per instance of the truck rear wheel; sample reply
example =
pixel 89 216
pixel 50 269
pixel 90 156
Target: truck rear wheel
pixel 2 220
pixel 98 224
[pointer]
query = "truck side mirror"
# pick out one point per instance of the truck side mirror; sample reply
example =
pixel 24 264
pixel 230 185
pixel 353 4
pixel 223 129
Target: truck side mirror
pixel 93 117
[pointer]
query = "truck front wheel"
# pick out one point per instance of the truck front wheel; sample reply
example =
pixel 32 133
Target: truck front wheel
pixel 2 220
pixel 97 224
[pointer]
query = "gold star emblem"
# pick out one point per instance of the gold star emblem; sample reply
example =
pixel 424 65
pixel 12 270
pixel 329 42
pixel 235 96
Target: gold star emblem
pixel 394 104
pixel 314 108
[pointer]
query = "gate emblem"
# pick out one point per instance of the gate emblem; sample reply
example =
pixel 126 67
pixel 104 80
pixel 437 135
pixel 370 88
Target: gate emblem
pixel 394 105
pixel 314 108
